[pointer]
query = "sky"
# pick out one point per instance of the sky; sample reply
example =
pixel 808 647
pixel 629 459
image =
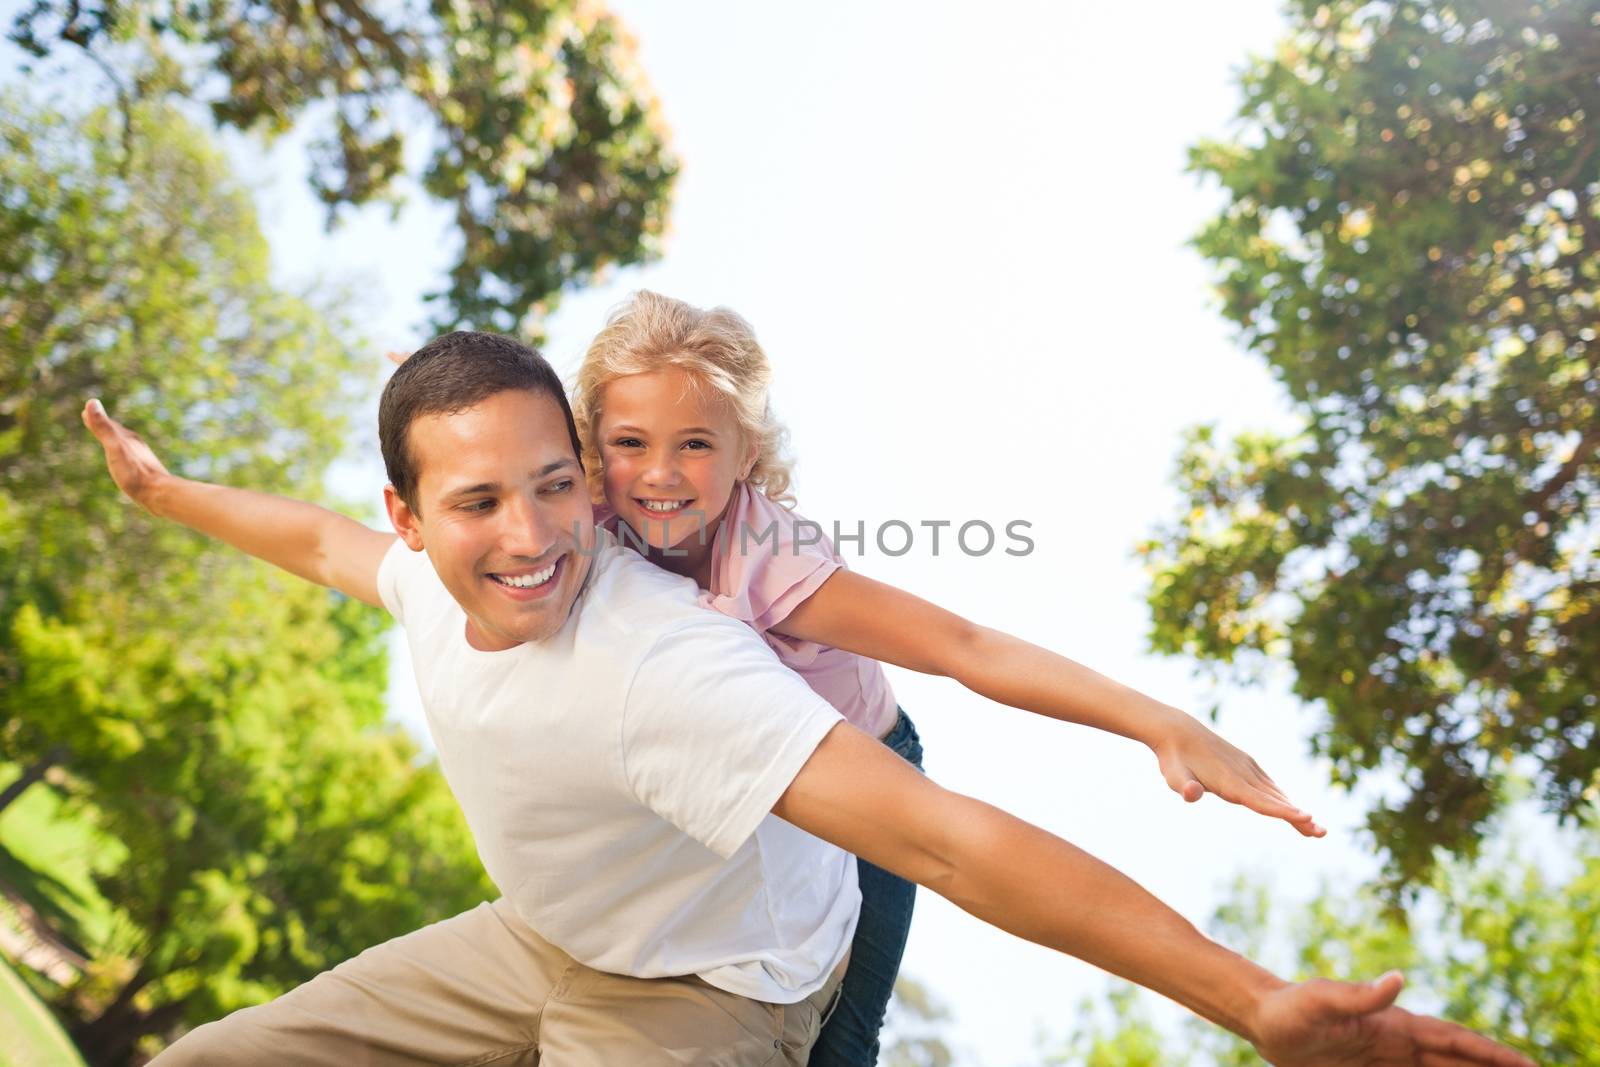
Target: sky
pixel 961 237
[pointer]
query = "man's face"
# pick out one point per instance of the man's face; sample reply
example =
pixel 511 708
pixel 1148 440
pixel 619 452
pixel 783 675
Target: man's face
pixel 503 515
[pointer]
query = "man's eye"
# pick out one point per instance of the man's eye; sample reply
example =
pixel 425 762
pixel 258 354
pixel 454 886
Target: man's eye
pixel 562 486
pixel 478 505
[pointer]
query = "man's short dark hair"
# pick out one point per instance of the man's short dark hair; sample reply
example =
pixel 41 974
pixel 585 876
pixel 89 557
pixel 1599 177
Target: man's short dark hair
pixel 453 373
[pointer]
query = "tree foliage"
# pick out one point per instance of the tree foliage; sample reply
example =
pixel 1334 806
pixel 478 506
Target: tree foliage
pixel 539 129
pixel 221 721
pixel 1408 242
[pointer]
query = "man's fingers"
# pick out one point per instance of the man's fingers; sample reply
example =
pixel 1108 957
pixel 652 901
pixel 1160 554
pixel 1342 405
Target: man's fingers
pixel 95 417
pixel 1362 998
pixel 1449 1044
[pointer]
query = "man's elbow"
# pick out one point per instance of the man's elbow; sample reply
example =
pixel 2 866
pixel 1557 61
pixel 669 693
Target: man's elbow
pixel 951 851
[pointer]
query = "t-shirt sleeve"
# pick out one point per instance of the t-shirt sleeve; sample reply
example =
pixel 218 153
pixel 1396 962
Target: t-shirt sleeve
pixel 715 729
pixel 769 562
pixel 398 567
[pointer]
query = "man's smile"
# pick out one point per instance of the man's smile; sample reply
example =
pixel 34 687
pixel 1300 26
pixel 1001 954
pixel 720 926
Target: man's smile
pixel 523 584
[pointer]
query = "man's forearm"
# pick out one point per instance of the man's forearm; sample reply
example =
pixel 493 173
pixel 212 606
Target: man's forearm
pixel 1035 885
pixel 858 795
pixel 304 539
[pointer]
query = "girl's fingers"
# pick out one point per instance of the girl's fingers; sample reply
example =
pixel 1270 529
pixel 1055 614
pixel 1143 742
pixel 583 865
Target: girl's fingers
pixel 1263 803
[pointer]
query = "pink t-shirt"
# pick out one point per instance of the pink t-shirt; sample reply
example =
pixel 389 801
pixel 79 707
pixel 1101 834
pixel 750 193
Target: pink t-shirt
pixel 765 562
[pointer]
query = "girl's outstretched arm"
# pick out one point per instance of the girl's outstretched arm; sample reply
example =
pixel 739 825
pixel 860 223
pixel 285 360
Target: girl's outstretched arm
pixel 881 622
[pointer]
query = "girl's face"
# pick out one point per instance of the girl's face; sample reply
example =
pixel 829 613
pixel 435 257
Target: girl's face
pixel 670 458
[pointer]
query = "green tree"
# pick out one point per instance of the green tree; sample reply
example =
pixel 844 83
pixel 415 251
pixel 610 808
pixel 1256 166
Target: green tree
pixel 540 129
pixel 141 275
pixel 913 1028
pixel 271 830
pixel 219 720
pixel 1408 242
pixel 1117 1033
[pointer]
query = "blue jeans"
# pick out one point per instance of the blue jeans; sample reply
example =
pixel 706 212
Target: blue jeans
pixel 850 1036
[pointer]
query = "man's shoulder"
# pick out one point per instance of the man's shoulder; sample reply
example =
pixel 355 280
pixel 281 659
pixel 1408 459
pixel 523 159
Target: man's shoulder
pixel 410 588
pixel 625 589
pixel 630 604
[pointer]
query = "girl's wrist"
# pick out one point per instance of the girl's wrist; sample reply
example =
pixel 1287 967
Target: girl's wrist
pixel 1158 723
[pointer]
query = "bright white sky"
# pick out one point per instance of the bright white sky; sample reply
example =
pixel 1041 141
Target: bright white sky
pixel 961 237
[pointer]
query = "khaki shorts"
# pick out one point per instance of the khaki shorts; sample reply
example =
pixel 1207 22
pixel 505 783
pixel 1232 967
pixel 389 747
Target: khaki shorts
pixel 483 988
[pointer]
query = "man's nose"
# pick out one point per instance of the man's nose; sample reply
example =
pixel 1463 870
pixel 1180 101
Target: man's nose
pixel 526 529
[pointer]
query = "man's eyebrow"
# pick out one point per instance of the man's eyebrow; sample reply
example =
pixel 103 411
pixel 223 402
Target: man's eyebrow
pixel 550 468
pixel 472 490
pixel 490 488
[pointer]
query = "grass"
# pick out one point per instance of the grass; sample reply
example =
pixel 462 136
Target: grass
pixel 49 856
pixel 32 1037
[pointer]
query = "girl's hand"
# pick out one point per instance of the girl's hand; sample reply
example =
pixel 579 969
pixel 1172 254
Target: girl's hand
pixel 1195 761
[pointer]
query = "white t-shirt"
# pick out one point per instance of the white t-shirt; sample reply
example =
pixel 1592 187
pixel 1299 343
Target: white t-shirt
pixel 619 777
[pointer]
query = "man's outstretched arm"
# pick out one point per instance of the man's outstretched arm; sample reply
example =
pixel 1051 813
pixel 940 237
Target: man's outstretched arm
pixel 314 543
pixel 860 796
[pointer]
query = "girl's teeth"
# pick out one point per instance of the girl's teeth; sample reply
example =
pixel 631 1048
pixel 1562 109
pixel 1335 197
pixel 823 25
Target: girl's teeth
pixel 526 581
pixel 663 505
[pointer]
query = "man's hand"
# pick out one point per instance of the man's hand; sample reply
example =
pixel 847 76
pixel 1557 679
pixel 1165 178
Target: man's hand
pixel 1343 1024
pixel 1195 761
pixel 134 467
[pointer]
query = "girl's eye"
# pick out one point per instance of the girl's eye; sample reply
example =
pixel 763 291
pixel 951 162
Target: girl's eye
pixel 626 442
pixel 697 445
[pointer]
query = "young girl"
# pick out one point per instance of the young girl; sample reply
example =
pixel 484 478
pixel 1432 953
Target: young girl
pixel 680 444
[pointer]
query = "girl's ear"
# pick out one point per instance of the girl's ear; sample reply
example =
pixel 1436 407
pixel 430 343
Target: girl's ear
pixel 749 462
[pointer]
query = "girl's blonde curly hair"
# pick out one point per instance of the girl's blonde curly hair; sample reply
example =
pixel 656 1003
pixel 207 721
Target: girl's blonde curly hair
pixel 719 352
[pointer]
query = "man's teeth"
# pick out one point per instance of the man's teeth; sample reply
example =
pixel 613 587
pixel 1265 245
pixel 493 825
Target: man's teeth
pixel 663 505
pixel 525 581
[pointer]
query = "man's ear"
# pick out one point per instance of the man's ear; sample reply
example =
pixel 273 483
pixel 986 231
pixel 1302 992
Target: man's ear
pixel 403 519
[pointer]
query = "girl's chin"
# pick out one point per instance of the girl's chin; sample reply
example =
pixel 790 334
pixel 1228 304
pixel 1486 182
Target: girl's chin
pixel 690 539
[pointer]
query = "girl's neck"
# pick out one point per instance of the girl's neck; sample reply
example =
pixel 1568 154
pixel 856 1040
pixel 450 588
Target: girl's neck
pixel 692 558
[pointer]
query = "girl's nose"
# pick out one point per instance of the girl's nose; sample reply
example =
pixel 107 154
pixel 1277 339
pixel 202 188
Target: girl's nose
pixel 662 472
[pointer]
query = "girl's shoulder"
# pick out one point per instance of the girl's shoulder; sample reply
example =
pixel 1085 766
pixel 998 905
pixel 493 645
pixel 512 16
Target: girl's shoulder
pixel 767 559
pixel 757 524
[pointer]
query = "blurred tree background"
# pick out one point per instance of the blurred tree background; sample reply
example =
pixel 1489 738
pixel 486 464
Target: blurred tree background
pixel 538 128
pixel 1408 243
pixel 201 804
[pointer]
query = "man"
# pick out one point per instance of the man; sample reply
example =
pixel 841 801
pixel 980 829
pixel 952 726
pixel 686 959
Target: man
pixel 658 800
